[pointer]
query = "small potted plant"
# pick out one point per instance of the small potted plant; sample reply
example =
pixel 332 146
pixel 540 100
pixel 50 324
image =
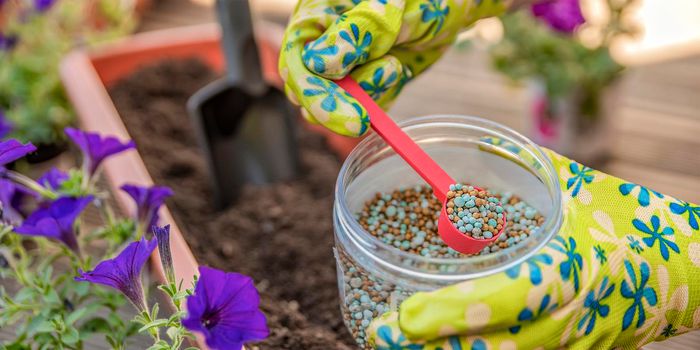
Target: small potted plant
pixel 34 36
pixel 573 78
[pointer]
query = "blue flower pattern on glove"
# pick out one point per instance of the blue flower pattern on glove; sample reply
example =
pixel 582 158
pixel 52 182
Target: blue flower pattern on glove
pixel 669 331
pixel 595 307
pixel 600 254
pixel 533 266
pixel 388 342
pixel 330 91
pixel 359 42
pixel 634 244
pixel 434 13
pixel 657 234
pixel 378 86
pixel 643 198
pixel 681 207
pixel 527 315
pixel 314 53
pixel 570 268
pixel 479 345
pixel 582 174
pixel 637 293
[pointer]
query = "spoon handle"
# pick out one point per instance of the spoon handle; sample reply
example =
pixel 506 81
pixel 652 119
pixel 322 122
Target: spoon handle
pixel 387 129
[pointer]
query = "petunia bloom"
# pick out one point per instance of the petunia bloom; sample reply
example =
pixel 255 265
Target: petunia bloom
pixel 148 201
pixel 224 307
pixel 56 220
pixel 96 148
pixel 12 197
pixel 5 124
pixel 561 15
pixel 11 150
pixel 124 272
pixel 43 5
pixel 8 42
pixel 166 259
pixel 52 179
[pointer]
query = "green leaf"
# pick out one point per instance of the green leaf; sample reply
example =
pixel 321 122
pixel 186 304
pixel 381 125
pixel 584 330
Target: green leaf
pixel 95 325
pixel 154 324
pixel 112 342
pixel 172 332
pixel 80 289
pixel 70 336
pixel 160 345
pixel 154 311
pixel 81 313
pixel 24 295
pixel 39 324
pixel 132 328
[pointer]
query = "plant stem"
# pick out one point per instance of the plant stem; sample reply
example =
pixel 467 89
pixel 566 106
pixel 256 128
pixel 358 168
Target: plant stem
pixel 29 183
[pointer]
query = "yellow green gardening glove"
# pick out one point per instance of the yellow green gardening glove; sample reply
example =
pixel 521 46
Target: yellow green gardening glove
pixel 384 43
pixel 623 271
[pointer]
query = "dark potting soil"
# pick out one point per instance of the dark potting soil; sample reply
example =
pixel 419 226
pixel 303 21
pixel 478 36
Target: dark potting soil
pixel 281 235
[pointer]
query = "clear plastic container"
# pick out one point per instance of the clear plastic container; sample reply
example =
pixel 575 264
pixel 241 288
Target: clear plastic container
pixel 374 277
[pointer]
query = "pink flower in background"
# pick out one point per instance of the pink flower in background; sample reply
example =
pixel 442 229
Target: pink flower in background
pixel 561 15
pixel 545 125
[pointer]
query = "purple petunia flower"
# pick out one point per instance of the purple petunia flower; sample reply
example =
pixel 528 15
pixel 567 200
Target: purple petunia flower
pixel 561 15
pixel 166 259
pixel 224 307
pixel 148 201
pixel 56 220
pixel 8 41
pixel 12 197
pixel 11 150
pixel 124 272
pixel 53 179
pixel 43 5
pixel 5 124
pixel 96 148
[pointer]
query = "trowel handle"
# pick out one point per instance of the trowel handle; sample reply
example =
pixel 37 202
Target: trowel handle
pixel 238 42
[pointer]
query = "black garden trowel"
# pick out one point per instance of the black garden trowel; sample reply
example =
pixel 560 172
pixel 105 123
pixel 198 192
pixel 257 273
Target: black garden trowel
pixel 246 126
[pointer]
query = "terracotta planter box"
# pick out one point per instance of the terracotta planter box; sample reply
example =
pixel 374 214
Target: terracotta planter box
pixel 87 74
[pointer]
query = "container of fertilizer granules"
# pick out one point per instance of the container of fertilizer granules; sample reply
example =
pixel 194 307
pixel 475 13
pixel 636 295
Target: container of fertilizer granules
pixel 385 216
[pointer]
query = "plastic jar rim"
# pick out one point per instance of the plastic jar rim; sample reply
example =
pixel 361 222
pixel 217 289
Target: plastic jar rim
pixel 357 233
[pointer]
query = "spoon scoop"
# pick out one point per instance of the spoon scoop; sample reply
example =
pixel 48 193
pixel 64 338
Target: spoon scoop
pixel 425 166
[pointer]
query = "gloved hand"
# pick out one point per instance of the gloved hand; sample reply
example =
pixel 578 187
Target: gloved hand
pixel 622 272
pixel 384 43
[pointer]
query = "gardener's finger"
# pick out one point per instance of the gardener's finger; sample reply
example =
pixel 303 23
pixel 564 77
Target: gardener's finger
pixel 362 34
pixel 382 78
pixel 308 23
pixel 541 331
pixel 475 306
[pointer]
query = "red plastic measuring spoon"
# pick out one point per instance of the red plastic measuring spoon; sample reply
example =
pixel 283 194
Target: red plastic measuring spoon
pixel 421 162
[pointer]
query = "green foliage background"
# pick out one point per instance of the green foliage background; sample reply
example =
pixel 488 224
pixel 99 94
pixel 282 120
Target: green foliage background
pixel 531 50
pixel 31 94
